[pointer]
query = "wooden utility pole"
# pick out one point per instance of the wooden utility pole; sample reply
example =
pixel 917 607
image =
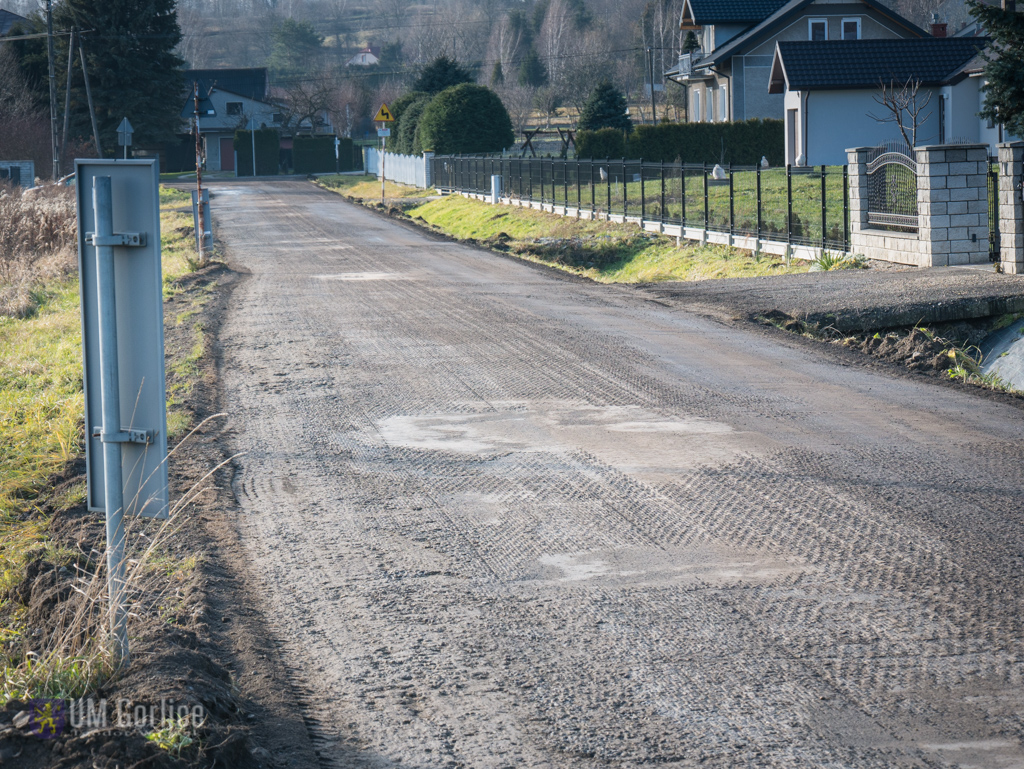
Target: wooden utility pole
pixel 88 95
pixel 201 235
pixel 54 146
pixel 67 94
pixel 650 62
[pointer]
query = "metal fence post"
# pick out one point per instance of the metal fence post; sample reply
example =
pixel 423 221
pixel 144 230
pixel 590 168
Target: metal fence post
pixel 625 191
pixel 608 177
pixel 789 206
pixel 542 183
pixel 579 202
pixel 760 217
pixel 643 200
pixel 593 192
pixel 824 209
pixel 846 208
pixel 732 209
pixel 704 173
pixel 110 431
pixel 565 185
pixel 664 213
pixel 682 194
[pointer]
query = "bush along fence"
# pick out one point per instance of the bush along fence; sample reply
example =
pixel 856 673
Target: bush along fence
pixel 785 210
pixel 414 170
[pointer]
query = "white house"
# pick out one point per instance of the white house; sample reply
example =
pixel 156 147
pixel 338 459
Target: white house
pixel 829 89
pixel 366 57
pixel 221 113
pixel 727 78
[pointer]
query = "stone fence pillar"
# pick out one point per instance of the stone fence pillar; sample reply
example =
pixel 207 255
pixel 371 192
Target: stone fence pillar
pixel 952 209
pixel 857 159
pixel 952 202
pixel 1011 208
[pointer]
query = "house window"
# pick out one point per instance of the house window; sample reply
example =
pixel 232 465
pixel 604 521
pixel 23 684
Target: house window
pixel 696 105
pixel 851 29
pixel 817 29
pixel 234 108
pixel 709 104
pixel 723 103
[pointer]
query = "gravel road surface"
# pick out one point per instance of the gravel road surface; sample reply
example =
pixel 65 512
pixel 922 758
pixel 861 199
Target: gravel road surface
pixel 506 518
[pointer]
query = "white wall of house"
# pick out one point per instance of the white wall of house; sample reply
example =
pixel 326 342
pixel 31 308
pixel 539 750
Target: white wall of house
pixel 830 122
pixel 233 112
pixel 746 77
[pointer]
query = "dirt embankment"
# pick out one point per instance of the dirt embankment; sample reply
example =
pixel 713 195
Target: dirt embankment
pixel 195 643
pixel 948 351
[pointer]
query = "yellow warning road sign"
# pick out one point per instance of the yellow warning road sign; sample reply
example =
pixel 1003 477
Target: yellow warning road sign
pixel 384 115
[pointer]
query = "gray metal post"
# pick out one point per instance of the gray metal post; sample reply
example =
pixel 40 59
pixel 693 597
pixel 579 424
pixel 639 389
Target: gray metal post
pixel 252 134
pixel 110 434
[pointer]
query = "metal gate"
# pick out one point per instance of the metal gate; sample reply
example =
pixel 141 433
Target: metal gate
pixel 892 188
pixel 993 210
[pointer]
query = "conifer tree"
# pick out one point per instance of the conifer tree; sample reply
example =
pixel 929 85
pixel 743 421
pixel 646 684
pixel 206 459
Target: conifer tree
pixel 133 70
pixel 1004 91
pixel 605 108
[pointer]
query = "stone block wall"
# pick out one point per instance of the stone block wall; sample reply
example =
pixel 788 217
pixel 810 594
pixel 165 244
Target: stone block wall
pixel 1011 208
pixel 952 202
pixel 952 206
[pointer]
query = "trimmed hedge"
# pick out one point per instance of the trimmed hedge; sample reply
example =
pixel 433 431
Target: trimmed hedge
pixel 602 143
pixel 465 118
pixel 742 143
pixel 268 152
pixel 404 132
pixel 314 154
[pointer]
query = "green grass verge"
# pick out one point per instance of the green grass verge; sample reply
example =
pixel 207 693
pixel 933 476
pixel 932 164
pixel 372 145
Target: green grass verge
pixel 603 251
pixel 41 413
pixel 368 186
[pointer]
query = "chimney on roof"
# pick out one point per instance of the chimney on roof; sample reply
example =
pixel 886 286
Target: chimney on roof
pixel 939 28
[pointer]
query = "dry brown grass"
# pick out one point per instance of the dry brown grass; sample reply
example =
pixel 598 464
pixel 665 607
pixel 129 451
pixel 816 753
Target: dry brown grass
pixel 38 235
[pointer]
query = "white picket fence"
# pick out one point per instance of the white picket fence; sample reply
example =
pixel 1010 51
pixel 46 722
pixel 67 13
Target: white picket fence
pixel 413 170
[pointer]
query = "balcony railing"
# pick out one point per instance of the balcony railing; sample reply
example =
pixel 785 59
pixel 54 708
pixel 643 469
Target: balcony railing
pixel 687 63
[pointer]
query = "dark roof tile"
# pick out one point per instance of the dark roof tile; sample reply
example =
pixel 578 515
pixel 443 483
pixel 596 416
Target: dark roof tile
pixel 733 11
pixel 250 83
pixel 839 64
pixel 8 20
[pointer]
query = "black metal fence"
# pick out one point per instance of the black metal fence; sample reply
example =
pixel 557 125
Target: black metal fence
pixel 993 210
pixel 801 206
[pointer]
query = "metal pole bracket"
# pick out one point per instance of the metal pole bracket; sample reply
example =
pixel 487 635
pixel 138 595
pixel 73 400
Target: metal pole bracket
pixel 117 239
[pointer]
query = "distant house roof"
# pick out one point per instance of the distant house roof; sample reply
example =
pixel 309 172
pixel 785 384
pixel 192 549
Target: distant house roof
pixel 783 16
pixel 368 55
pixel 845 64
pixel 8 20
pixel 250 83
pixel 702 12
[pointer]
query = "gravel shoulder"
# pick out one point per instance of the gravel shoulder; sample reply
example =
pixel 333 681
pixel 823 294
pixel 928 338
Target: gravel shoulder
pixel 857 300
pixel 495 516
